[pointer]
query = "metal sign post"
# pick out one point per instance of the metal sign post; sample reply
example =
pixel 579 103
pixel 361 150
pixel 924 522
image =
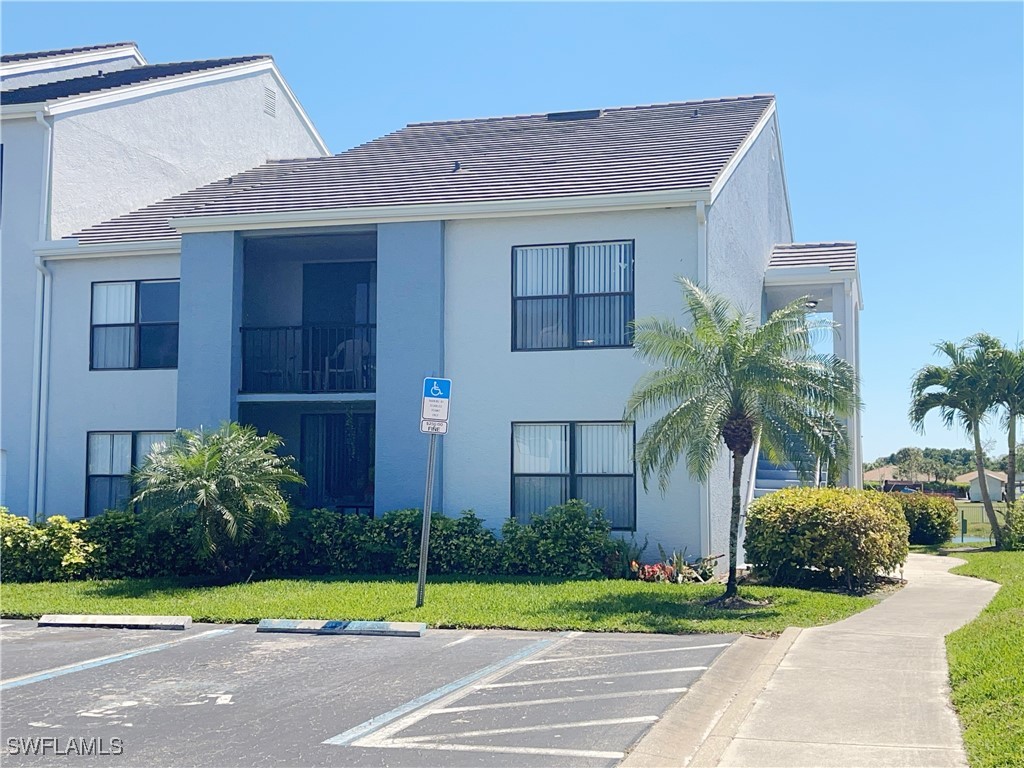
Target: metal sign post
pixel 433 421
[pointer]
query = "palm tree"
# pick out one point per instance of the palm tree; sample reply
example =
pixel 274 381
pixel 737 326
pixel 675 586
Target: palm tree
pixel 228 479
pixel 1007 367
pixel 729 380
pixel 962 391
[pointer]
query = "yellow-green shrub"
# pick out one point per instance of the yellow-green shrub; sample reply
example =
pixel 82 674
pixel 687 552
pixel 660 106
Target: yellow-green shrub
pixel 51 551
pixel 849 534
pixel 932 519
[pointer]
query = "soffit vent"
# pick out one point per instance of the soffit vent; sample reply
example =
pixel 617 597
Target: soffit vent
pixel 270 101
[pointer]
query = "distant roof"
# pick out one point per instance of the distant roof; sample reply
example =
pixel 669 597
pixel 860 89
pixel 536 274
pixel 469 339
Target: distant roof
pixel 9 58
pixel 839 257
pixel 967 477
pixel 884 472
pixel 660 147
pixel 78 86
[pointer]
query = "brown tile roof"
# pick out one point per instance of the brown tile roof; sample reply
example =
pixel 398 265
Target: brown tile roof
pixel 967 477
pixel 839 257
pixel 660 147
pixel 9 58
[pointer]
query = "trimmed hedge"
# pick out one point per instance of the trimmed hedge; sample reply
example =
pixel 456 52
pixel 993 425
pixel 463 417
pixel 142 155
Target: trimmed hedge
pixel 848 534
pixel 569 540
pixel 932 519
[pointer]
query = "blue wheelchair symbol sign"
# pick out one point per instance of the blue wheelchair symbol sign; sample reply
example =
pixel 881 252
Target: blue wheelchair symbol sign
pixel 440 389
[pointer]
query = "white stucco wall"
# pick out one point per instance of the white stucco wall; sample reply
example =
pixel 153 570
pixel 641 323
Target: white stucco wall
pixel 19 229
pixel 113 159
pixel 82 400
pixel 995 489
pixel 494 386
pixel 749 216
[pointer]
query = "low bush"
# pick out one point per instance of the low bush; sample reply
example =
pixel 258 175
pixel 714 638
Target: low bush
pixel 932 519
pixel 568 540
pixel 51 551
pixel 849 535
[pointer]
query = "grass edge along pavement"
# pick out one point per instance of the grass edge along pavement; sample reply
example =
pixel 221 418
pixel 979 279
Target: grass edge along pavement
pixel 451 602
pixel 986 664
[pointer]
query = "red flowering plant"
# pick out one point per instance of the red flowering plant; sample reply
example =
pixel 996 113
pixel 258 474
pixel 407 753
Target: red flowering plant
pixel 656 572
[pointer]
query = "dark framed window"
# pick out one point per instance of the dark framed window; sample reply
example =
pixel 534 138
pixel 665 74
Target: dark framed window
pixel 572 295
pixel 553 462
pixel 134 325
pixel 110 457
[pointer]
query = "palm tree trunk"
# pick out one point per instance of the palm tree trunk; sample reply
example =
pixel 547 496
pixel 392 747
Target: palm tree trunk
pixel 986 499
pixel 1011 460
pixel 734 523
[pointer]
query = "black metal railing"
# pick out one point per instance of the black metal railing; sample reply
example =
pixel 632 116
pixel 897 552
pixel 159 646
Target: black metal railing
pixel 309 358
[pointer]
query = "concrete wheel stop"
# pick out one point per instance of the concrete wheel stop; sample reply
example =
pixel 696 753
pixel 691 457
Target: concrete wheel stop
pixel 339 627
pixel 115 622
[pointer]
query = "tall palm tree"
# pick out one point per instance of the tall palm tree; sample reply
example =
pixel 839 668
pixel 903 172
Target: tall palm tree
pixel 729 380
pixel 1007 370
pixel 961 391
pixel 228 479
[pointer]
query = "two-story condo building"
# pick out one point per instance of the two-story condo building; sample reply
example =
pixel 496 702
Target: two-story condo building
pixel 311 297
pixel 88 134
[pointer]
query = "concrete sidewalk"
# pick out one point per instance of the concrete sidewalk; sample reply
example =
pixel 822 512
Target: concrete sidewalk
pixel 871 690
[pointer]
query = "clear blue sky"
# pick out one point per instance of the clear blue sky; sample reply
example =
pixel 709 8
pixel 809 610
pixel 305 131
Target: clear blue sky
pixel 902 124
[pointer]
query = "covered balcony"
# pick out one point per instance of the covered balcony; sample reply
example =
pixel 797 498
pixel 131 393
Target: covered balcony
pixel 309 314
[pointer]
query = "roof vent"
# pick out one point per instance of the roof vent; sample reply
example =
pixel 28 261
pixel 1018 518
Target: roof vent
pixel 696 113
pixel 581 114
pixel 270 101
pixel 456 166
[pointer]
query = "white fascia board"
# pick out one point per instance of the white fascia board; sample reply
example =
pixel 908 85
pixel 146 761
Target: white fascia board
pixel 782 170
pixel 442 211
pixel 806 276
pixel 161 85
pixel 44 63
pixel 69 249
pixel 303 117
pixel 737 158
pixel 22 111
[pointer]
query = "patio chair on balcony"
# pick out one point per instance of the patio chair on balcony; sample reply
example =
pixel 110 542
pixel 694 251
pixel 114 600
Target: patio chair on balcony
pixel 346 367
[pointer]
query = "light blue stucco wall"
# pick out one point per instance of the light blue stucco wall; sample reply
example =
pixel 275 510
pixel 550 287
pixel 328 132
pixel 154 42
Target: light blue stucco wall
pixel 749 216
pixel 209 342
pixel 410 346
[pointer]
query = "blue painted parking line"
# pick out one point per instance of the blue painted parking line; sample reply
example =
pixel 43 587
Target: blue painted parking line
pixel 374 723
pixel 49 674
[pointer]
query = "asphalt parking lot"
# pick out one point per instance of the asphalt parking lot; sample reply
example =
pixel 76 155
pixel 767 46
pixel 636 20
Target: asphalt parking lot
pixel 218 695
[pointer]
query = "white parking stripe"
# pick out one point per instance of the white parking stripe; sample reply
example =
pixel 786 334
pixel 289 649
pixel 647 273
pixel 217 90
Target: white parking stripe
pixel 5 625
pixel 460 640
pixel 546 681
pixel 624 653
pixel 562 700
pixel 531 728
pixel 401 744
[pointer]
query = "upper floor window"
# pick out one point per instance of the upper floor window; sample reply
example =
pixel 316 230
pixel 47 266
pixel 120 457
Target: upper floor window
pixel 111 457
pixel 553 462
pixel 572 296
pixel 134 325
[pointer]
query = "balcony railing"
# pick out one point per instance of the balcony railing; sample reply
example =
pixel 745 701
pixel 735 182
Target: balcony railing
pixel 309 359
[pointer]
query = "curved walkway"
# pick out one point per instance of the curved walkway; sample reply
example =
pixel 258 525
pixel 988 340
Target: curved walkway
pixel 871 690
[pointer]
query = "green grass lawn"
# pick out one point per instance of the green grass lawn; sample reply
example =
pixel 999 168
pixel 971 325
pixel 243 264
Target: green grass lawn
pixel 614 605
pixel 986 664
pixel 977 520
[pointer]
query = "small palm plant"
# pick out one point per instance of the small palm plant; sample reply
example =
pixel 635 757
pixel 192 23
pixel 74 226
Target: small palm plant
pixel 729 380
pixel 228 480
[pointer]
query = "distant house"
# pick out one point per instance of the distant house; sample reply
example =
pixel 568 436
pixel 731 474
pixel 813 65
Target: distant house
pixel 996 484
pixel 879 474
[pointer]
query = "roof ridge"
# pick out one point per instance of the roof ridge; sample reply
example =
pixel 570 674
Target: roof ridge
pixel 655 105
pixel 26 55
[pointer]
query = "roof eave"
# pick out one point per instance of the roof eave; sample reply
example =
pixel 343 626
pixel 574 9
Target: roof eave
pixel 70 248
pixel 70 59
pixel 442 211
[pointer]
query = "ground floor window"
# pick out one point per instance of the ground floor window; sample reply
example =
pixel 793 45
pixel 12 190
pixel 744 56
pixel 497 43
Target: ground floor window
pixel 110 459
pixel 337 457
pixel 553 462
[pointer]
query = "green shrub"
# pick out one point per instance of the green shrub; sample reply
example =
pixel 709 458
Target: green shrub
pixel 51 551
pixel 932 519
pixel 569 539
pixel 117 538
pixel 848 534
pixel 1013 530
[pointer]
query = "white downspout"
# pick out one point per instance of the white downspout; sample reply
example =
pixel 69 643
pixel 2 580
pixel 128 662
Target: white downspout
pixel 702 280
pixel 40 340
